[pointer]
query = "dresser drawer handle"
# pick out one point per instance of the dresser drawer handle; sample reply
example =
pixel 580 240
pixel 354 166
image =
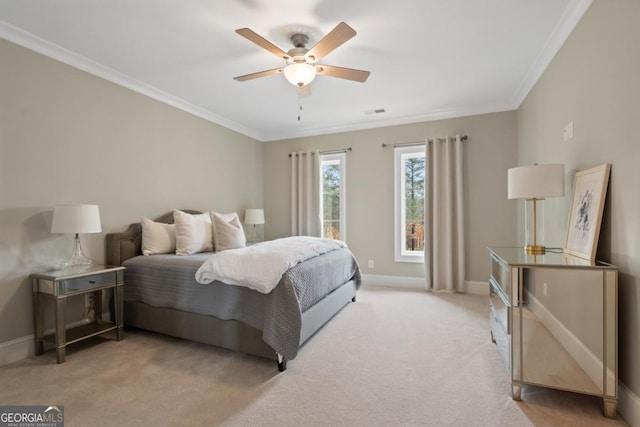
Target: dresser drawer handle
pixel 92 282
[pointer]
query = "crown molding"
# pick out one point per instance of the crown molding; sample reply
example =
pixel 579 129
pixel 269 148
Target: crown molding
pixel 565 26
pixel 51 50
pixel 404 120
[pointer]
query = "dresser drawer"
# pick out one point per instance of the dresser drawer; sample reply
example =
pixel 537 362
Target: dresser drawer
pixel 500 306
pixel 500 337
pixel 90 282
pixel 501 274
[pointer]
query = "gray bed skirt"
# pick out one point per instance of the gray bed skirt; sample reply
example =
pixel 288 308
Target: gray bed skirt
pixel 232 334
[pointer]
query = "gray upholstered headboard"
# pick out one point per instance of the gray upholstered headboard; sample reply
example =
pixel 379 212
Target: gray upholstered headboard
pixel 125 245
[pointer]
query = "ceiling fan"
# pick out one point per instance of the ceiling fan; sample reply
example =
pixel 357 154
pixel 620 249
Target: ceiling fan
pixel 301 63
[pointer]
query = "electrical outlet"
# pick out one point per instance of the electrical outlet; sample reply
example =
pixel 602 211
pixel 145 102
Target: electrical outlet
pixel 544 289
pixel 567 131
pixel 371 264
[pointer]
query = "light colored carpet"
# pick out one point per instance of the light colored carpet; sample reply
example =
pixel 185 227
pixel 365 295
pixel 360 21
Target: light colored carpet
pixel 394 358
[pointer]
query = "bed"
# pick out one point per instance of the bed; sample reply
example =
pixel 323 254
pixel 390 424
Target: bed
pixel 162 295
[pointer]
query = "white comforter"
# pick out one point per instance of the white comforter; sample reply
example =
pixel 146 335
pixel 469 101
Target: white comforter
pixel 261 266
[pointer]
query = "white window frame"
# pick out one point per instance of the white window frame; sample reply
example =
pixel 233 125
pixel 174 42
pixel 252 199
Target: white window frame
pixel 332 159
pixel 400 234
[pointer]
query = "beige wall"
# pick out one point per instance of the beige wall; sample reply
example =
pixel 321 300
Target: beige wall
pixel 593 81
pixel 489 217
pixel 69 137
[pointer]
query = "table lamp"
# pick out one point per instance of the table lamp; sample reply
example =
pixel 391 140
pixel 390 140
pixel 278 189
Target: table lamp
pixel 535 183
pixel 76 219
pixel 254 217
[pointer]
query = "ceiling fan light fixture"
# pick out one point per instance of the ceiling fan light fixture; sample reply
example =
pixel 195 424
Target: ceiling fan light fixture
pixel 300 73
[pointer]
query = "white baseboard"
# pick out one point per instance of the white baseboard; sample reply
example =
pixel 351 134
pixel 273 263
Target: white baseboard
pixel 393 281
pixel 403 282
pixel 25 348
pixel 476 288
pixel 628 405
pixel 16 350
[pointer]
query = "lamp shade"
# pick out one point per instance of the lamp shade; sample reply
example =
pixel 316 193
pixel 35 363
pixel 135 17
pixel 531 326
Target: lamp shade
pixel 300 73
pixel 254 216
pixel 536 182
pixel 76 219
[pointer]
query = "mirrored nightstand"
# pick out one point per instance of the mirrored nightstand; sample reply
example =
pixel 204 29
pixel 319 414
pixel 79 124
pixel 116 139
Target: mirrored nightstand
pixel 57 286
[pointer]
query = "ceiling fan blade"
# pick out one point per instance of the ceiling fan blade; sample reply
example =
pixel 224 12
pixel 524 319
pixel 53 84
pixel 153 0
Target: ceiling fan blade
pixel 258 74
pixel 263 43
pixel 340 34
pixel 343 73
pixel 304 91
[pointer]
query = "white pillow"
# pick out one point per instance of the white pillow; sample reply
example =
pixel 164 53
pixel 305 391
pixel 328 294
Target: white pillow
pixel 227 231
pixel 193 233
pixel 157 237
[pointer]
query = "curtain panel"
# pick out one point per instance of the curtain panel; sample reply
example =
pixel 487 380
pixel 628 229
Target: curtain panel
pixel 305 194
pixel 444 251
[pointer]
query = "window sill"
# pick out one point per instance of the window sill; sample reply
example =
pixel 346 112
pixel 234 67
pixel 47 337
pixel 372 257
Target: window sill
pixel 416 259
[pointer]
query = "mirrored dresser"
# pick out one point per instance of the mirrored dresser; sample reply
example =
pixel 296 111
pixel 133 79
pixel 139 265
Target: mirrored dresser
pixel 554 321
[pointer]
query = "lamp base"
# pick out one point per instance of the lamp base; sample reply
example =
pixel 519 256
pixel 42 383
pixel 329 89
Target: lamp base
pixel 534 250
pixel 78 259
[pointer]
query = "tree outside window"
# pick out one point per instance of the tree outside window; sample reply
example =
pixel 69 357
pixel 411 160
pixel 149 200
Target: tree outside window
pixel 414 203
pixel 333 196
pixel 410 197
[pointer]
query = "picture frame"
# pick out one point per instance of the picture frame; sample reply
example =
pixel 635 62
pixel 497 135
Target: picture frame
pixel 585 211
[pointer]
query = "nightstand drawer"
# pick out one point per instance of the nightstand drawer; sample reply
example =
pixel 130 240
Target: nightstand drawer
pixel 89 282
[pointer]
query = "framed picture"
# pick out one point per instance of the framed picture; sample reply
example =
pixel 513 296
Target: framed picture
pixel 585 212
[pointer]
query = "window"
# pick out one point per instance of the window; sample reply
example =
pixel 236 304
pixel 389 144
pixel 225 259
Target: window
pixel 409 189
pixel 333 170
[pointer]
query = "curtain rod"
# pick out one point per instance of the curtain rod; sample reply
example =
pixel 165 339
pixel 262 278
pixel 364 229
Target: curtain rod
pixel 409 144
pixel 339 150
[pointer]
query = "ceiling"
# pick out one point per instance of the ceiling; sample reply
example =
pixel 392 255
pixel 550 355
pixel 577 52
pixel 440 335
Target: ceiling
pixel 429 59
